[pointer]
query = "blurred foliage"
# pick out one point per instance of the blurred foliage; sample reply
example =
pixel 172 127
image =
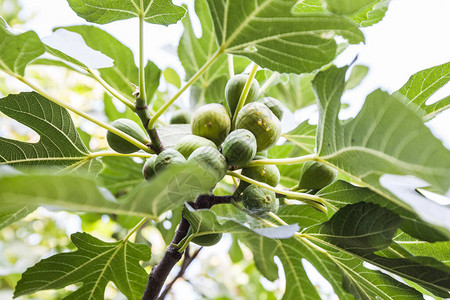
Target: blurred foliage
pixel 9 10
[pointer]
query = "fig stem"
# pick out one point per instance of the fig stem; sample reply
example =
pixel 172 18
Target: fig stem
pixel 268 82
pixel 309 199
pixel 113 153
pixel 230 65
pixel 108 127
pixel 141 57
pixel 135 228
pixel 193 79
pixel 111 90
pixel 244 94
pixel 283 161
pixel 277 218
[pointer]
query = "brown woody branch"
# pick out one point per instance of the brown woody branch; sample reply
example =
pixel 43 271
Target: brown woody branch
pixel 159 273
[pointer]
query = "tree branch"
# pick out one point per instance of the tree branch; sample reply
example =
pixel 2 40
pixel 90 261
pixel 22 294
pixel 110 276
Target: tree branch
pixel 160 272
pixel 144 115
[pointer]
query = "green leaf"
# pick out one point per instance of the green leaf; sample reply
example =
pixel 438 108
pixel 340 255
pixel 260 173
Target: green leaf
pixel 102 12
pixel 112 113
pixel 10 216
pixel 308 6
pixel 303 215
pixel 269 34
pixel 171 134
pixel 385 137
pixel 59 144
pixel 18 50
pixel 205 222
pixel 345 272
pixel 171 76
pixel 362 228
pixel 345 7
pixel 371 14
pixel 71 47
pixel 168 190
pixel 422 85
pixel 304 136
pixel 364 12
pixel 194 53
pixel 124 72
pixel 357 75
pixel 94 264
pixel 438 250
pixel 295 93
pixel 341 193
pixel 120 175
pixel 290 174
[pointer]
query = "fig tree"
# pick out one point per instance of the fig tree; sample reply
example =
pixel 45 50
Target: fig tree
pixel 316 175
pixel 234 88
pixel 268 174
pixel 259 201
pixel 212 162
pixel 274 105
pixel 129 127
pixel 149 167
pixel 180 117
pixel 259 119
pixel 189 143
pixel 211 121
pixel 168 157
pixel 239 147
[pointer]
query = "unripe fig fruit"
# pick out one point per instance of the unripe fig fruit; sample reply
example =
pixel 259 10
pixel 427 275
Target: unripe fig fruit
pixel 316 175
pixel 239 147
pixel 260 120
pixel 168 157
pixel 129 127
pixel 259 201
pixel 212 162
pixel 211 121
pixel 207 239
pixel 180 117
pixel 262 153
pixel 274 105
pixel 189 143
pixel 268 174
pixel 234 88
pixel 149 167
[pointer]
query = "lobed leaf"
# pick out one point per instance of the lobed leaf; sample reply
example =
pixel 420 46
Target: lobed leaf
pixel 422 85
pixel 124 73
pixel 363 228
pixel 206 222
pixel 59 145
pixel 168 190
pixel 94 264
pixel 269 34
pixel 341 193
pixel 385 137
pixel 18 50
pixel 162 12
pixel 194 53
pixel 363 12
pixel 345 272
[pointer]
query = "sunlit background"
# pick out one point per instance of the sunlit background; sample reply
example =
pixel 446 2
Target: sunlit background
pixel 413 36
